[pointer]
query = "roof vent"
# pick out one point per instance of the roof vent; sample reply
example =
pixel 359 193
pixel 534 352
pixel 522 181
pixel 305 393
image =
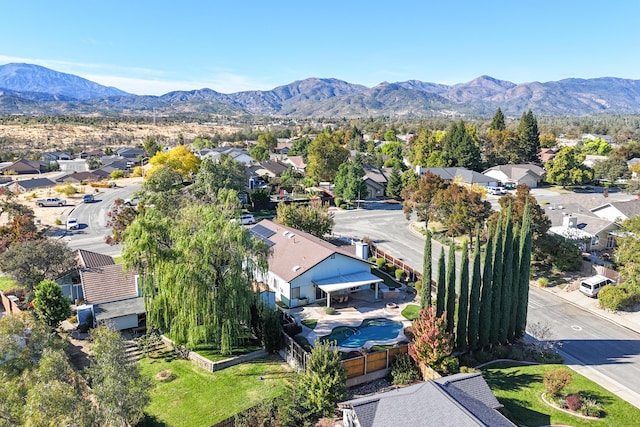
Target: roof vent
pixel 296 268
pixel 291 235
pixel 285 232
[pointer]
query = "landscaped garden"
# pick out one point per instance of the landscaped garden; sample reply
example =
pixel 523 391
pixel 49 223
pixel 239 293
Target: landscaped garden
pixel 186 395
pixel 520 390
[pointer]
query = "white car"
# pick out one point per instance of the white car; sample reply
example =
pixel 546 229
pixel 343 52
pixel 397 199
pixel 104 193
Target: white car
pixel 245 219
pixel 72 224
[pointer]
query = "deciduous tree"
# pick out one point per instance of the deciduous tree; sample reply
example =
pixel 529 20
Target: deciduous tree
pixel 418 195
pixel 179 159
pixel 567 168
pixel 214 175
pixel 432 341
pixel 325 155
pixel 315 220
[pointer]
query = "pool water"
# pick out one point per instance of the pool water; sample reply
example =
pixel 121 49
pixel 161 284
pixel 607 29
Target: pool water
pixel 369 330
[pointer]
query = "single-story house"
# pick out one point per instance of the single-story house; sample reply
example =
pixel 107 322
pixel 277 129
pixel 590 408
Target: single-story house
pixel 547 154
pixel 588 231
pixel 305 269
pixel 618 211
pixel 26 185
pixel 525 173
pixel 297 162
pixel 54 156
pixel 236 154
pixel 109 293
pixel 466 176
pixel 272 168
pixel 130 152
pixel 23 167
pixel 591 159
pixel 283 147
pixel 91 153
pixel 460 400
pixel 78 177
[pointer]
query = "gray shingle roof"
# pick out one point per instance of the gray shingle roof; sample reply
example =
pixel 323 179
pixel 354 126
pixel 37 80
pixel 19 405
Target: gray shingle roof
pixel 107 283
pixel 88 259
pixel 467 175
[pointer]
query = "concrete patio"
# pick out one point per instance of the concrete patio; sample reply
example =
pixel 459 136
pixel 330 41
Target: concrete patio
pixel 360 306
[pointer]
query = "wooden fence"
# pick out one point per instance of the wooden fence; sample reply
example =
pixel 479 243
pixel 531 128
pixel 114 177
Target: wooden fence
pixel 372 362
pixel 293 353
pixel 9 303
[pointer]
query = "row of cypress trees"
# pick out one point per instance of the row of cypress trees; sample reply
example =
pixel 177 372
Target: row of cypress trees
pixel 492 303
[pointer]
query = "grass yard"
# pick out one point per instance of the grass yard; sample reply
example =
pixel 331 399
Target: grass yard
pixel 196 397
pixel 411 312
pixel 519 389
pixel 213 354
pixel 310 323
pixel 7 282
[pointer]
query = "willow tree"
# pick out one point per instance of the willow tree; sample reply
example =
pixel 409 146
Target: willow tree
pixel 425 290
pixel 197 271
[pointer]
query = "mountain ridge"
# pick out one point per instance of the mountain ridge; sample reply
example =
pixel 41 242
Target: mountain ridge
pixel 32 89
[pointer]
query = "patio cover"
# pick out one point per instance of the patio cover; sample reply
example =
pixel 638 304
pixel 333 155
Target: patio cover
pixel 340 282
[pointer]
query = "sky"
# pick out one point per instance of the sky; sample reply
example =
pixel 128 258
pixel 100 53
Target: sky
pixel 151 48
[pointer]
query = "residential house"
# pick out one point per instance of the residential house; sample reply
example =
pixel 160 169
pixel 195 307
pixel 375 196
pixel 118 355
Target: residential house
pixel 27 185
pixel 305 269
pixel 23 167
pixel 91 153
pixel 271 168
pixel 461 400
pixel 587 136
pixel 130 152
pixel 54 156
pixel 631 163
pixel 109 293
pixel 237 154
pixel 591 159
pixel 297 162
pixel 283 147
pixel 375 179
pixel 79 177
pixel 463 175
pixel 547 154
pixel 586 230
pixel 618 211
pixel 526 173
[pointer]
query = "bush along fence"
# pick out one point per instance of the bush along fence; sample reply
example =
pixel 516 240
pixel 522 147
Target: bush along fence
pixel 371 366
pixel 411 273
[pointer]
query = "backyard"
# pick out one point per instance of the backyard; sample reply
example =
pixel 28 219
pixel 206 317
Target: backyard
pixel 195 397
pixel 519 389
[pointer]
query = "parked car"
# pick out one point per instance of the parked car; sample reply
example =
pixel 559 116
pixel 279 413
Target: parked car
pixel 245 219
pixel 51 201
pixel 88 198
pixel 591 286
pixel 131 202
pixel 498 191
pixel 72 224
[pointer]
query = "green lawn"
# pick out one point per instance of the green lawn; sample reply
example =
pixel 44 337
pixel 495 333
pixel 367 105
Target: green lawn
pixel 196 397
pixel 411 312
pixel 213 354
pixel 310 323
pixel 7 282
pixel 519 389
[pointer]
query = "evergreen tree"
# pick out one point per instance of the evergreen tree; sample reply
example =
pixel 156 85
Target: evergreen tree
pixel 450 307
pixel 441 295
pixel 394 184
pixel 486 296
pixel 498 121
pixel 529 137
pixel 460 149
pixel 515 284
pixel 507 278
pixel 474 296
pixel 50 305
pixel 496 289
pixel 348 181
pixel 525 267
pixel 425 290
pixel 324 381
pixel 463 301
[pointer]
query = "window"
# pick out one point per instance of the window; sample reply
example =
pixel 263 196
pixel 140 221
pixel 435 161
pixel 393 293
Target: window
pixel 295 293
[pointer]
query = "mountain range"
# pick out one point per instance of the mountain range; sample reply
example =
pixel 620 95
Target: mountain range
pixel 35 90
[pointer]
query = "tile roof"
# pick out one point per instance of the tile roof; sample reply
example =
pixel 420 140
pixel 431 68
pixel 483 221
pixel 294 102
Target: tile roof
pixel 295 252
pixel 456 402
pixel 88 259
pixel 107 283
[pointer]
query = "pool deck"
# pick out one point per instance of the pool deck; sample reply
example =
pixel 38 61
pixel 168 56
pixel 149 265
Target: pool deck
pixel 361 305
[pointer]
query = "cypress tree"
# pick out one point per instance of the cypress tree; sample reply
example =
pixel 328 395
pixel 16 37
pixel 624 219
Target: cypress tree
pixel 441 295
pixel 498 121
pixel 515 285
pixel 474 296
pixel 450 307
pixel 507 277
pixel 463 301
pixel 525 269
pixel 496 289
pixel 486 294
pixel 425 291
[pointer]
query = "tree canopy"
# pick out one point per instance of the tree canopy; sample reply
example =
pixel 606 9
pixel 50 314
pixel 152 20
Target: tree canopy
pixel 51 306
pixel 325 155
pixel 313 219
pixel 179 159
pixel 214 175
pixel 567 168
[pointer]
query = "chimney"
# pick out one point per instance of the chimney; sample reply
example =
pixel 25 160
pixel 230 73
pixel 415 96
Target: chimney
pixel 569 221
pixel 362 250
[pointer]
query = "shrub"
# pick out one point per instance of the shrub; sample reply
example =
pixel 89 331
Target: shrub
pixel 447 366
pixel 468 370
pixel 548 356
pixel 467 360
pixel 58 221
pixel 573 402
pixel 590 408
pixel 618 297
pixel 73 319
pixel 117 174
pixel 337 201
pixel 372 259
pixel 400 274
pixel 516 353
pixel 555 381
pixel 292 329
pixel 343 206
pixel 543 282
pixel 403 370
pixel 380 262
pixel 331 311
pixel 500 351
pixel 483 356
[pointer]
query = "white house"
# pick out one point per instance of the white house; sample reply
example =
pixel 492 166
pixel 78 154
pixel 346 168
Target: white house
pixel 618 211
pixel 304 269
pixel 525 173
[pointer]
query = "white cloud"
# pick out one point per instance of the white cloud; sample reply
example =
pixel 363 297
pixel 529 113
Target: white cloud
pixel 144 81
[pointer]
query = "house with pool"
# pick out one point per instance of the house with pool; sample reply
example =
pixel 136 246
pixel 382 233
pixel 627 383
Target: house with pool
pixel 305 269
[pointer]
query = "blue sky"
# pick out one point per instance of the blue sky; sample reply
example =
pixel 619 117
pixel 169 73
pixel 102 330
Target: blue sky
pixel 146 47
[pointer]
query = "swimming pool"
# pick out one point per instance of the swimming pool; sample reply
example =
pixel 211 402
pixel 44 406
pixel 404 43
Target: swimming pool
pixel 379 329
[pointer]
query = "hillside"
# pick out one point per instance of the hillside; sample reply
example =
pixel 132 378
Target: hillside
pixel 34 90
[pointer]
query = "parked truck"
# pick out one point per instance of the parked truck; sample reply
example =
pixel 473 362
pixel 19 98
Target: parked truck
pixel 51 201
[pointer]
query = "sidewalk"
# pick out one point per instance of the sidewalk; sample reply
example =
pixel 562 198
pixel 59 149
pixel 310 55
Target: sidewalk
pixel 629 320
